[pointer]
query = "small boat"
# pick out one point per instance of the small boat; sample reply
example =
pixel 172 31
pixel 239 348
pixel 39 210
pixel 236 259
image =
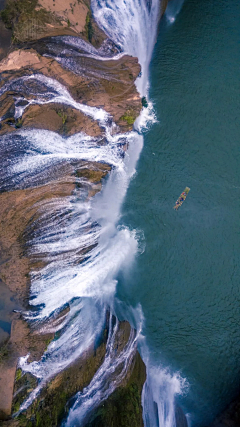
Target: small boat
pixel 181 198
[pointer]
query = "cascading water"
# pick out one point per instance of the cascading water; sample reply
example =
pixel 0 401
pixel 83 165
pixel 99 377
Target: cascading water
pixel 48 90
pixel 137 37
pixel 105 381
pixel 87 287
pixel 158 395
pixel 132 24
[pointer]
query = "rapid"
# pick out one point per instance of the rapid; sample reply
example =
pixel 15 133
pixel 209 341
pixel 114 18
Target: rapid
pixel 72 224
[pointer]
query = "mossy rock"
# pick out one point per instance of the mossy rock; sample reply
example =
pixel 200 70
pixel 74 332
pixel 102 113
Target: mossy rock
pixel 91 175
pixel 123 408
pixel 89 26
pixel 4 351
pixel 92 32
pixel 129 116
pixel 144 102
pixel 24 384
pixel 51 405
pixel 26 22
pixel 14 9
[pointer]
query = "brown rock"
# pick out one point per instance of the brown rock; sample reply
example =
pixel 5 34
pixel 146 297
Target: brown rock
pixel 164 4
pixel 32 20
pixel 61 119
pixel 17 210
pixel 7 376
pixel 106 84
pixel 71 13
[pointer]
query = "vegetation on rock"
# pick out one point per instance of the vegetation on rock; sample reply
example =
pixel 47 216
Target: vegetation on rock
pixel 129 116
pixel 110 86
pixel 27 22
pixel 89 26
pixel 123 408
pixel 14 9
pixel 4 352
pixel 93 175
pixel 144 102
pixel 63 116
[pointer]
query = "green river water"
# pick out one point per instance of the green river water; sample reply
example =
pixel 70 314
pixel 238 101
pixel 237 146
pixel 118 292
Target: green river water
pixel 187 280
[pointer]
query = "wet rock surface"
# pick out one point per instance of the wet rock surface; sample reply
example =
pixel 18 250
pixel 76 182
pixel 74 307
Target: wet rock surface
pixel 181 420
pixel 31 20
pixel 123 408
pixel 108 84
pixel 37 29
pixel 52 405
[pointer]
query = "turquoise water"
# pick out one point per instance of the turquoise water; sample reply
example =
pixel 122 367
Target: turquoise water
pixel 187 280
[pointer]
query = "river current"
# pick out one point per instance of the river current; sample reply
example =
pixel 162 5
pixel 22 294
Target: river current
pixel 187 279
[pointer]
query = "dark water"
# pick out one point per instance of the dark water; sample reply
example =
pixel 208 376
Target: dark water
pixel 7 305
pixel 188 278
pixel 5 35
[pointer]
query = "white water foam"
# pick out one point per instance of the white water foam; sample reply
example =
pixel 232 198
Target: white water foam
pixel 87 49
pixel 106 380
pixel 173 9
pixel 87 283
pixel 159 392
pixel 131 24
pixel 56 93
pixel 79 330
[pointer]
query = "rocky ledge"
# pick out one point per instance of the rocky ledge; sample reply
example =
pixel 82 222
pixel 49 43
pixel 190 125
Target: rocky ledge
pixel 41 30
pixel 51 406
pixel 108 84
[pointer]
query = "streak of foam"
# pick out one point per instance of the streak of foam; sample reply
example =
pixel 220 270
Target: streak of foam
pixel 56 93
pixel 146 118
pixel 173 9
pixel 160 391
pixel 67 227
pixel 82 48
pixel 108 377
pixel 132 25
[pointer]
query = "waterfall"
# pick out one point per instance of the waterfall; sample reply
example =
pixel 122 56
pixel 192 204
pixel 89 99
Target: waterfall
pixel 69 225
pixel 132 24
pixel 158 396
pixel 106 380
